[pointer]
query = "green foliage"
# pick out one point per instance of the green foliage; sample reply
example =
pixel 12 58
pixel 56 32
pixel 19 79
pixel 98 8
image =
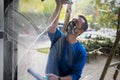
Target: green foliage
pixel 107 13
pixel 91 45
pixel 34 6
pixel 45 8
pixel 107 43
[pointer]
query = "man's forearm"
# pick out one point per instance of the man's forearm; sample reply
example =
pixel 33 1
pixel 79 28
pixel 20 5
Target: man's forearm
pixel 54 17
pixel 55 13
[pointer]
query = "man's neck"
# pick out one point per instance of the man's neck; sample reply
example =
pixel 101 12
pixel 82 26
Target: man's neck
pixel 71 39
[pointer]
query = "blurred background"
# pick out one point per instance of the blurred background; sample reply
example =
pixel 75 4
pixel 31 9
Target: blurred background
pixel 26 43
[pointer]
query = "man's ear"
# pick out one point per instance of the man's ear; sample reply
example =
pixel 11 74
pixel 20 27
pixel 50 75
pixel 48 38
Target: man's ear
pixel 82 31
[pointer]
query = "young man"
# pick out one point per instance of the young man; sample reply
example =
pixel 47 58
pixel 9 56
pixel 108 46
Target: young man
pixel 67 56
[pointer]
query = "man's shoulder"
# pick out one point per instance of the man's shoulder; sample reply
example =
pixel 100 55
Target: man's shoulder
pixel 59 42
pixel 81 48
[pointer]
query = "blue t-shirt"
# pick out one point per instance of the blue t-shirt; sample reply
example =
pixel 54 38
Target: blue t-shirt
pixel 70 58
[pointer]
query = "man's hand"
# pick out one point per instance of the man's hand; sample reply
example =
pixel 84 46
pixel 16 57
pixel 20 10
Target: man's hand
pixel 64 1
pixel 55 77
pixel 52 77
pixel 61 2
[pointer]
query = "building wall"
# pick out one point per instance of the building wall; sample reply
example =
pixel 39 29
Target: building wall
pixel 1 15
pixel 10 47
pixel 1 59
pixel 1 38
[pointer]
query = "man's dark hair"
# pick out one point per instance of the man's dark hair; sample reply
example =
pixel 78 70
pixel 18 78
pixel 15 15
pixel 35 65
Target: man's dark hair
pixel 85 25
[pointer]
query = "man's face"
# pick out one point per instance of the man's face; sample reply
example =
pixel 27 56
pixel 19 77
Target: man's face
pixel 78 22
pixel 75 26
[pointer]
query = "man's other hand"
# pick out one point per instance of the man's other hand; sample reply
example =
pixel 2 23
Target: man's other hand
pixel 52 77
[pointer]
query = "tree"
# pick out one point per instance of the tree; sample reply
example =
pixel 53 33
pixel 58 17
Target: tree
pixel 108 15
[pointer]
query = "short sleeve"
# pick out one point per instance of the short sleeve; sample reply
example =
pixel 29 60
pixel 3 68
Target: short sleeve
pixel 54 36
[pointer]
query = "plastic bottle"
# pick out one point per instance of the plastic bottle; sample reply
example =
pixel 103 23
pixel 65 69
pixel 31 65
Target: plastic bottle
pixel 36 75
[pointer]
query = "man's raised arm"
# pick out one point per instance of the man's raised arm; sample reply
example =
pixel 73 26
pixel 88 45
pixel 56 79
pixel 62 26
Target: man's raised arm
pixel 55 17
